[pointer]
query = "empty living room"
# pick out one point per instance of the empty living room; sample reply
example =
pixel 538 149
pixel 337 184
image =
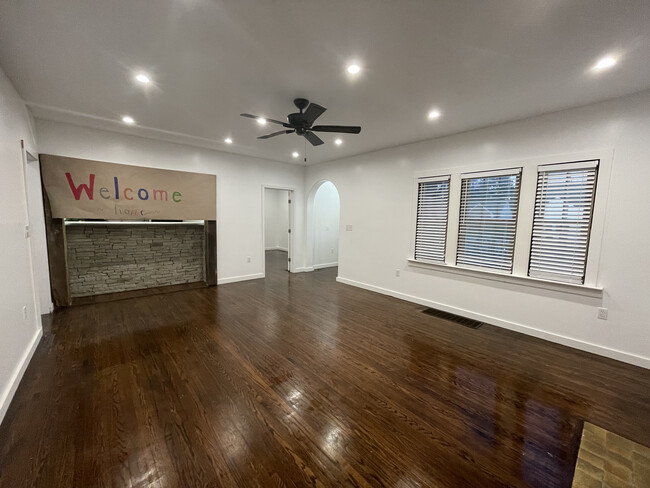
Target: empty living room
pixel 359 243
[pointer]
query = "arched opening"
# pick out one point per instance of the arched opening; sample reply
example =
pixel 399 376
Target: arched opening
pixel 323 225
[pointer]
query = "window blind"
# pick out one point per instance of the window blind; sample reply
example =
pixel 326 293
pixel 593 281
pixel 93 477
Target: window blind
pixel 488 219
pixel 431 224
pixel 564 206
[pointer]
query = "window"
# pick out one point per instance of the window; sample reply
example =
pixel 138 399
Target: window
pixel 431 221
pixel 564 206
pixel 537 224
pixel 488 219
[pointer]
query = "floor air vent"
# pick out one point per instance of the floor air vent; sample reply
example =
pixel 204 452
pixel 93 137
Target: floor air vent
pixel 471 323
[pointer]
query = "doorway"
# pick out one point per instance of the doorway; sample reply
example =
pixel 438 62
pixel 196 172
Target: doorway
pixel 277 218
pixel 324 213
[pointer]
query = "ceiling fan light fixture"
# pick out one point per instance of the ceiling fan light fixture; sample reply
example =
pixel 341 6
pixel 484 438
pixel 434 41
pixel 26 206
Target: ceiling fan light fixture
pixel 261 121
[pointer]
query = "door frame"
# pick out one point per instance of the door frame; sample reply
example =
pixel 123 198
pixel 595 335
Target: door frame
pixel 291 240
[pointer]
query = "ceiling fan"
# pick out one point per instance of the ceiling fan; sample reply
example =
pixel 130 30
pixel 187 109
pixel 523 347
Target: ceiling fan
pixel 301 123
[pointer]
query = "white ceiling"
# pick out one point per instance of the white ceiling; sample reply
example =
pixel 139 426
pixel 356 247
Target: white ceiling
pixel 481 62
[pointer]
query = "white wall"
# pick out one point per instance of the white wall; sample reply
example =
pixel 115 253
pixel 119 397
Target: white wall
pixel 38 236
pixel 19 334
pixel 376 198
pixel 239 185
pixel 326 225
pixel 276 219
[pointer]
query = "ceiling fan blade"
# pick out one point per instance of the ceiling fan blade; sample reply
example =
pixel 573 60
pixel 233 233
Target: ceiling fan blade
pixel 250 116
pixel 344 129
pixel 313 138
pixel 313 112
pixel 279 133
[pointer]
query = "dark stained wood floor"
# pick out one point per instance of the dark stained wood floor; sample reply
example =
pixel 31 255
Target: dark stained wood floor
pixel 299 381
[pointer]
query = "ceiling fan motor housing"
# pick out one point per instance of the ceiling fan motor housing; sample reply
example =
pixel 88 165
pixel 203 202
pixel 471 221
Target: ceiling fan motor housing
pixel 298 121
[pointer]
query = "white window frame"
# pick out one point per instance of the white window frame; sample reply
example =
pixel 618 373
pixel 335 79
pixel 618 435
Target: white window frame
pixel 591 287
pixel 564 167
pixel 489 174
pixel 428 179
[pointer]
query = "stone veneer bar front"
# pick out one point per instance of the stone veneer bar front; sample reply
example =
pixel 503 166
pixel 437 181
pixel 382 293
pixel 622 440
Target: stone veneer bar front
pixel 109 257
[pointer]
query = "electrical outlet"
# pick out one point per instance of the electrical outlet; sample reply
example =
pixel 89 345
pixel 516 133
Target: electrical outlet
pixel 348 227
pixel 397 272
pixel 602 313
pixel 27 232
pixel 24 312
pixel 248 259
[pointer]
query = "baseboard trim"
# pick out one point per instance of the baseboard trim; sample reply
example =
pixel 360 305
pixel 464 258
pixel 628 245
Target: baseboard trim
pixel 304 269
pixel 616 354
pixel 9 393
pixel 234 279
pixel 277 248
pixel 326 265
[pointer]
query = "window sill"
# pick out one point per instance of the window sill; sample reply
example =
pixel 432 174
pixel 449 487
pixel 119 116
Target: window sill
pixel 588 291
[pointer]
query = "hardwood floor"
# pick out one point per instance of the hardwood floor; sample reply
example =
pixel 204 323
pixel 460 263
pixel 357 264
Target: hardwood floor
pixel 297 380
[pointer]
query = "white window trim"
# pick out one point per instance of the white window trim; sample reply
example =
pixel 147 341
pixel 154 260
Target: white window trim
pixel 519 275
pixel 489 174
pixel 563 168
pixel 434 178
pixel 428 179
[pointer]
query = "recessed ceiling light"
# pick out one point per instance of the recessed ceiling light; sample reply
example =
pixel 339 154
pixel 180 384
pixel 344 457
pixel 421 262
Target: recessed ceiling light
pixel 604 63
pixel 143 78
pixel 261 121
pixel 353 69
pixel 228 140
pixel 128 120
pixel 338 142
pixel 295 154
pixel 434 114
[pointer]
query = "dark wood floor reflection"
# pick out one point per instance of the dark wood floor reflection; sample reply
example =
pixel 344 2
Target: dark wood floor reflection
pixel 297 380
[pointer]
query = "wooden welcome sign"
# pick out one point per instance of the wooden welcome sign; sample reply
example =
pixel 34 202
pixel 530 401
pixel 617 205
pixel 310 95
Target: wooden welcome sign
pixel 85 189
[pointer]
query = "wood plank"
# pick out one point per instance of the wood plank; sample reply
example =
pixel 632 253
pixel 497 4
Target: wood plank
pixel 296 380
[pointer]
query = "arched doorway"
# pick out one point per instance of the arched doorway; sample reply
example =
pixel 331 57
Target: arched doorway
pixel 323 219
